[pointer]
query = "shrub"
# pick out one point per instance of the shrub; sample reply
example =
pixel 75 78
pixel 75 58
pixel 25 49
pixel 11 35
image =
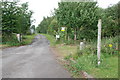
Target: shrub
pixel 9 38
pixel 106 50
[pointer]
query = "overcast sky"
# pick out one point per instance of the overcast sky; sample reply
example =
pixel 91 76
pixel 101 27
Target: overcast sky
pixel 43 8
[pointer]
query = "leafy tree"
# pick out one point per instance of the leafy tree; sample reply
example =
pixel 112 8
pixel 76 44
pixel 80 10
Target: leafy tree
pixel 110 21
pixel 81 19
pixel 53 27
pixel 24 19
pixel 9 11
pixel 78 17
pixel 15 18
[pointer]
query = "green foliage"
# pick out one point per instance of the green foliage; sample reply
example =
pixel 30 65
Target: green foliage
pixel 53 27
pixel 12 41
pixel 106 50
pixel 7 39
pixel 48 25
pixel 80 18
pixel 43 26
pixel 69 42
pixel 110 21
pixel 28 39
pixel 16 18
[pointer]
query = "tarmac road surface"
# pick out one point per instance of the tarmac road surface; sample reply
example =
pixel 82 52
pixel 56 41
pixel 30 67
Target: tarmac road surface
pixel 32 61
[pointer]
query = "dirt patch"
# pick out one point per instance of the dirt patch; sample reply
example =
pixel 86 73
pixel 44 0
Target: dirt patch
pixel 57 55
pixel 56 52
pixel 60 58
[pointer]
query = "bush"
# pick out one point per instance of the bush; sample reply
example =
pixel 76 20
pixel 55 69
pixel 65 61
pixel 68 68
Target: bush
pixel 9 38
pixel 106 50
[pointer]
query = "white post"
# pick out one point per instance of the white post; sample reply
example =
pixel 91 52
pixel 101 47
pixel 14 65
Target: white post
pixel 99 40
pixel 82 45
pixel 57 36
pixel 18 37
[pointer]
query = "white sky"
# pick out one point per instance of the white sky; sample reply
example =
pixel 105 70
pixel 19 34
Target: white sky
pixel 43 8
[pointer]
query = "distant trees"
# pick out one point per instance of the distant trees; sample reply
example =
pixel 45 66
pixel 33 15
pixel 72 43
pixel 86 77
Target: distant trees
pixel 16 18
pixel 80 20
pixel 49 25
pixel 44 26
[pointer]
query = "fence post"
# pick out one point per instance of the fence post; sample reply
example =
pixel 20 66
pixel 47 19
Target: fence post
pixel 99 41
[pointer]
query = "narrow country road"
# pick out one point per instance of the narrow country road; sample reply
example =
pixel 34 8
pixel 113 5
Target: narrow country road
pixel 32 61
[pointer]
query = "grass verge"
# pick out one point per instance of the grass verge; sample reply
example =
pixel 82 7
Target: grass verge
pixel 87 61
pixel 51 39
pixel 27 39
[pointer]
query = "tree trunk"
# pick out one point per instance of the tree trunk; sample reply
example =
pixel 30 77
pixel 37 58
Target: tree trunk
pixel 75 35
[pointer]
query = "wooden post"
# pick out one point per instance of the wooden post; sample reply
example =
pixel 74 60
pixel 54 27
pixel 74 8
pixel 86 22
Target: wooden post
pixel 99 41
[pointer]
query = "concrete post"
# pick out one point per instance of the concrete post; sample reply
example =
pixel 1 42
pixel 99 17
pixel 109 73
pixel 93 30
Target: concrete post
pixel 99 41
pixel 82 45
pixel 18 37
